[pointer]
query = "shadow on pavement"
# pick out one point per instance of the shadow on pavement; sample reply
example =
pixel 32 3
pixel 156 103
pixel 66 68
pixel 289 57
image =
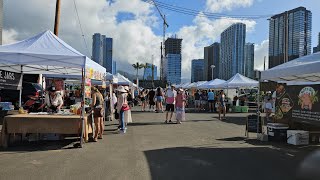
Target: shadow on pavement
pixel 21 147
pixel 232 139
pixel 187 163
pixel 235 120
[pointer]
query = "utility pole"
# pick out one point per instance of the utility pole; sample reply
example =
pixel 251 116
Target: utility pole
pixel 165 25
pixel 152 67
pixel 264 63
pixel 57 18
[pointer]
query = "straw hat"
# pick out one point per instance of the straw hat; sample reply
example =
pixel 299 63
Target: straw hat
pixel 180 89
pixel 121 89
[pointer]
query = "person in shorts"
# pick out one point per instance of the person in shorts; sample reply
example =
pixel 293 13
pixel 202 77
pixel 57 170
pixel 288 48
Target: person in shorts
pixel 170 102
pixel 197 103
pixel 211 100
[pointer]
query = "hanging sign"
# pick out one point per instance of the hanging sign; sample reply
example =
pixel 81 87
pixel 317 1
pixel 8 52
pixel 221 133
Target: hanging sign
pixel 10 80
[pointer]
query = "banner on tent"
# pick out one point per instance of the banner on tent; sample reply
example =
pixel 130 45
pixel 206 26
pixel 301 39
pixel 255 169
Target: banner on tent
pixel 92 74
pixel 298 103
pixel 10 80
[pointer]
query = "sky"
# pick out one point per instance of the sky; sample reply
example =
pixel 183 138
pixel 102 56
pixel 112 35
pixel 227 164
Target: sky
pixel 136 27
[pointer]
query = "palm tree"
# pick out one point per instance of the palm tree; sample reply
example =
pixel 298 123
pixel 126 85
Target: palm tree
pixel 137 66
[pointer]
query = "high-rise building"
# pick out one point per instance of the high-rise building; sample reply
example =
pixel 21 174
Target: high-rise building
pixel 249 60
pixel 289 35
pixel 147 75
pixel 107 58
pixel 232 51
pixel 317 48
pixel 172 61
pixel 97 48
pixel 1 20
pixel 102 51
pixel 114 67
pixel 211 57
pixel 197 68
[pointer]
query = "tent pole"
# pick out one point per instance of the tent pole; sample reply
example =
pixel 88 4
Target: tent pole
pixel 83 106
pixel 258 109
pixel 20 90
pixel 111 100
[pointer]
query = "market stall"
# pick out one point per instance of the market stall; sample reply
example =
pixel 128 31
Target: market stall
pixel 296 99
pixel 45 53
pixel 238 82
pixel 211 84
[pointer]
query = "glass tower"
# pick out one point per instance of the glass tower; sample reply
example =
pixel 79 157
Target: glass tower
pixel 249 60
pixel 232 51
pixel 147 75
pixel 289 36
pixel 211 57
pixel 102 51
pixel 197 68
pixel 172 61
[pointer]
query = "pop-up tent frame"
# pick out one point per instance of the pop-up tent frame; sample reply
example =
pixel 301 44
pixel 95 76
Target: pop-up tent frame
pixel 45 53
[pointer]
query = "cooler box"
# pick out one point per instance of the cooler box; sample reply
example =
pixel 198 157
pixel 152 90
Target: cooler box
pixel 298 137
pixel 277 132
pixel 244 109
pixel 237 109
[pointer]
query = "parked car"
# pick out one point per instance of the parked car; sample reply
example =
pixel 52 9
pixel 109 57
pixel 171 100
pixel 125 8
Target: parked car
pixel 29 90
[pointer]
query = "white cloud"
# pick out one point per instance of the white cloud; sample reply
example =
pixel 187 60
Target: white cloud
pixel 222 5
pixel 261 51
pixel 9 36
pixel 134 40
pixel 202 33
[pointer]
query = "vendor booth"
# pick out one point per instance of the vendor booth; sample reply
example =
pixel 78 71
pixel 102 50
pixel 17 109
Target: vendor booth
pixel 296 99
pixel 45 53
pixel 238 82
pixel 211 84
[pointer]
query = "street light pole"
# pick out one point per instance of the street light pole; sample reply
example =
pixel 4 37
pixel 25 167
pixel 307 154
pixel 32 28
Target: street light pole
pixel 212 67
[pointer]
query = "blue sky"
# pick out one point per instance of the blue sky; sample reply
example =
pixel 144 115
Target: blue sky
pixel 259 7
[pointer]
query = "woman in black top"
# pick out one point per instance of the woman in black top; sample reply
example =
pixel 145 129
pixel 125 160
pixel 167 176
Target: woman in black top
pixel 159 95
pixel 98 112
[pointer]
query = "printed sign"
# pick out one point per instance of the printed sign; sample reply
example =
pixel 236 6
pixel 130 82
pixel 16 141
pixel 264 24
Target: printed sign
pixel 10 80
pixel 298 103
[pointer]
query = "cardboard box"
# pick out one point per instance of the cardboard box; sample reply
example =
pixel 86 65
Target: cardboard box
pixel 297 137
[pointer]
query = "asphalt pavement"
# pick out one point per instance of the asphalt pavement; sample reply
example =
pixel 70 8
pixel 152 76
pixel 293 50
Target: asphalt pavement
pixel 202 147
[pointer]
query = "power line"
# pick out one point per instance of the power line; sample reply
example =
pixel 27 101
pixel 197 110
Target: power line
pixel 192 12
pixel 82 34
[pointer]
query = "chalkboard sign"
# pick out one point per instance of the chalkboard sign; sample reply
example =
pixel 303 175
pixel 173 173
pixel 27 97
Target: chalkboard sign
pixel 252 124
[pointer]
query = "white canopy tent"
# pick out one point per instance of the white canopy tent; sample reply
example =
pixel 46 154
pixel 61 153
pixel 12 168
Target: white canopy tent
pixel 238 81
pixel 304 69
pixel 211 84
pixel 124 81
pixel 195 84
pixel 45 53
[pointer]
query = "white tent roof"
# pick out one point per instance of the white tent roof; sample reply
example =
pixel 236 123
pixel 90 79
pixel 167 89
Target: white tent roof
pixel 124 81
pixel 195 84
pixel 238 81
pixel 304 69
pixel 45 53
pixel 184 85
pixel 211 84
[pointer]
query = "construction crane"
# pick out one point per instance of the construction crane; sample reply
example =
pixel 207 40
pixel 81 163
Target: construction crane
pixel 162 47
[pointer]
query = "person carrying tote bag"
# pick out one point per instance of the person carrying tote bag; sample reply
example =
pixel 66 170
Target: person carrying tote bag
pixel 122 107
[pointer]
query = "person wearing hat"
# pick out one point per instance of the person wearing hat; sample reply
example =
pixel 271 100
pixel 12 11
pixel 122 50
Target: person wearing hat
pixel 170 101
pixel 98 112
pixel 53 100
pixel 180 106
pixel 122 106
